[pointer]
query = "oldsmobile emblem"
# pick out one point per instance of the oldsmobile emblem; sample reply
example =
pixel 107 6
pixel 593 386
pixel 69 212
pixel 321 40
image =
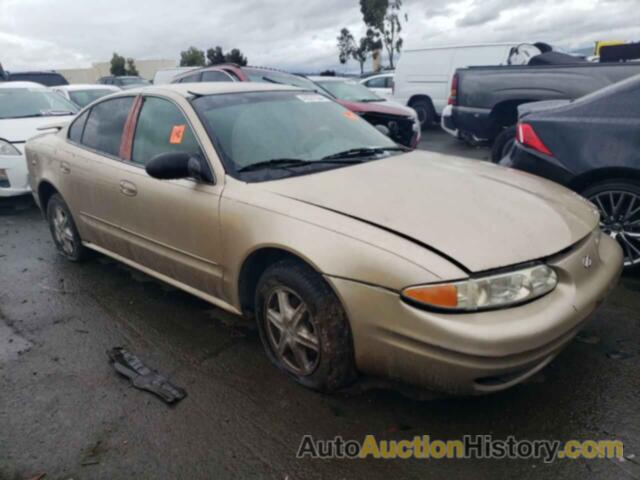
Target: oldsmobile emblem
pixel 587 262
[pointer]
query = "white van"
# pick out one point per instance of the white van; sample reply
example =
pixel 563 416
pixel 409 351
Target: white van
pixel 423 76
pixel 166 75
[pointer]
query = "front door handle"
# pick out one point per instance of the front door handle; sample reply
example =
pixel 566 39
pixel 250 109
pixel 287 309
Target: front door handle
pixel 65 168
pixel 127 188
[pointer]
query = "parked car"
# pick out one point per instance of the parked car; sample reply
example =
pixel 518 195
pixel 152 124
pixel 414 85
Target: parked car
pixel 484 100
pixel 401 122
pixel 124 82
pixel 423 76
pixel 351 254
pixel 83 94
pixel 591 145
pixel 47 79
pixel 397 120
pixel 381 84
pixel 166 75
pixel 24 108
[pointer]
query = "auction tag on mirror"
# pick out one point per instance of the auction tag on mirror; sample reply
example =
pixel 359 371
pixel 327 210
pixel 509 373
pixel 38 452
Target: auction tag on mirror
pixel 177 132
pixel 312 98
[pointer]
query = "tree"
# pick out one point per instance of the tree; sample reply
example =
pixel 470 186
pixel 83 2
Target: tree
pixel 215 56
pixel 383 19
pixel 117 65
pixel 236 56
pixel 193 57
pixel 346 45
pixel 131 67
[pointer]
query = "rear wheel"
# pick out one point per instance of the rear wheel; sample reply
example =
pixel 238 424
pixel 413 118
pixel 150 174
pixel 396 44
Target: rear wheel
pixel 303 327
pixel 619 205
pixel 426 112
pixel 503 143
pixel 64 231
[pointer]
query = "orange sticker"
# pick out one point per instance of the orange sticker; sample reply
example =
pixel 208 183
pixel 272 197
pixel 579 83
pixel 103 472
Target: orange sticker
pixel 350 115
pixel 177 132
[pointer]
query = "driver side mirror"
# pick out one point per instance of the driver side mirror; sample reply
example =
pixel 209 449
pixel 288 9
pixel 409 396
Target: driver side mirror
pixel 174 165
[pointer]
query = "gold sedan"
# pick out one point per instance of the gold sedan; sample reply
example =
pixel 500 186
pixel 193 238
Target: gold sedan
pixel 354 255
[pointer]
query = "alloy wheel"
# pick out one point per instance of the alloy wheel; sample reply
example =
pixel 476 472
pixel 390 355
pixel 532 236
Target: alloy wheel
pixel 620 218
pixel 292 331
pixel 63 232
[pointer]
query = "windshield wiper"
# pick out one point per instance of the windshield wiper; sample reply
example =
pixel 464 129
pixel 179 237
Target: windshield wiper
pixel 52 113
pixel 364 152
pixel 293 162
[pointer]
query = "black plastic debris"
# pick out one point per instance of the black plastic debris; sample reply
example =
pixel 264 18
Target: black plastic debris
pixel 142 377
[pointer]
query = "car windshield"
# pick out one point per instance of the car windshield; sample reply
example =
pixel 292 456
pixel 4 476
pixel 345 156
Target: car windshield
pixel 271 76
pixel 349 91
pixel 24 102
pixel 85 97
pixel 133 81
pixel 272 129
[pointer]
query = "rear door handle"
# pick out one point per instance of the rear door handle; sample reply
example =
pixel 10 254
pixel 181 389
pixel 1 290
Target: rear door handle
pixel 65 168
pixel 127 188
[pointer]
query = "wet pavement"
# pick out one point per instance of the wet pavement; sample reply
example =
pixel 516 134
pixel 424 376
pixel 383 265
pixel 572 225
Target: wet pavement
pixel 66 413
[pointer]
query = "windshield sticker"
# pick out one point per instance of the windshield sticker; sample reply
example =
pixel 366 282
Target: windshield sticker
pixel 313 98
pixel 177 132
pixel 350 115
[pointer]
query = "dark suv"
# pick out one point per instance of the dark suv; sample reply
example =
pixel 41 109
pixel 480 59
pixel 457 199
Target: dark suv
pixel 48 79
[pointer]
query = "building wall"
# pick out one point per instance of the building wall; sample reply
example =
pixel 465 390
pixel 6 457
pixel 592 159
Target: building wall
pixel 147 69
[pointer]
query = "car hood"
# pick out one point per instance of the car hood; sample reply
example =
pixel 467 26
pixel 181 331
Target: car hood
pixel 384 107
pixel 18 130
pixel 480 215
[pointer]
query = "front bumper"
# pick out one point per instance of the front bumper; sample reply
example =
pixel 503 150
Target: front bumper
pixel 17 182
pixel 481 352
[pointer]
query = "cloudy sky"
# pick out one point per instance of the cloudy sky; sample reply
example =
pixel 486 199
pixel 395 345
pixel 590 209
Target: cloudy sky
pixel 291 34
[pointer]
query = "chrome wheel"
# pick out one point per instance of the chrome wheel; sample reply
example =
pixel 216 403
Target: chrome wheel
pixel 620 218
pixel 63 232
pixel 291 331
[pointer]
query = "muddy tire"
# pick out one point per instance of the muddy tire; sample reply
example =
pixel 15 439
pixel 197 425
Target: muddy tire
pixel 63 230
pixel 503 143
pixel 303 327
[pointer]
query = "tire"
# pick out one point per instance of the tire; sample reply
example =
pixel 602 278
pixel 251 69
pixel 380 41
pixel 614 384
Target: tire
pixel 622 221
pixel 426 112
pixel 63 230
pixel 331 366
pixel 503 143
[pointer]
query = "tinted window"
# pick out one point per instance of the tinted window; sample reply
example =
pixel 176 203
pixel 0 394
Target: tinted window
pixel 380 82
pixel 161 128
pixel 105 124
pixel 190 78
pixel 215 76
pixel 76 128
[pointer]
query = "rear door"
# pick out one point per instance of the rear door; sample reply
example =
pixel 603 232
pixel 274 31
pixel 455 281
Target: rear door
pixel 90 171
pixel 172 226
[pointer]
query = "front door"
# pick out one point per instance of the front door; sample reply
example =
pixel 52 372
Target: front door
pixel 172 226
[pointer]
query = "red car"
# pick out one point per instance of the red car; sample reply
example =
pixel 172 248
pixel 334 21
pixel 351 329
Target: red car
pixel 399 122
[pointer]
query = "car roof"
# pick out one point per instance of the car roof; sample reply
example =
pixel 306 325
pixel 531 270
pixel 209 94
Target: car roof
pixel 29 85
pixel 212 88
pixel 86 86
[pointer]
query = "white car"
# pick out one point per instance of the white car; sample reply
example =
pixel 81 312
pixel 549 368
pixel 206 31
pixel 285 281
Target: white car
pixel 25 107
pixel 381 84
pixel 83 94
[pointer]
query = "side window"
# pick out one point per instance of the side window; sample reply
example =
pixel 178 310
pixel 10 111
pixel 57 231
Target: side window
pixel 215 76
pixel 388 82
pixel 376 83
pixel 191 78
pixel 103 131
pixel 76 128
pixel 161 128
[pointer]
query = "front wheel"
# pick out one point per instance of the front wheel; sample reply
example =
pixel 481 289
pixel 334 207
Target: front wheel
pixel 619 205
pixel 303 327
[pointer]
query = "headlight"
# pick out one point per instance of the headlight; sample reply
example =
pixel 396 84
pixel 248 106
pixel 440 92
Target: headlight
pixel 7 149
pixel 487 292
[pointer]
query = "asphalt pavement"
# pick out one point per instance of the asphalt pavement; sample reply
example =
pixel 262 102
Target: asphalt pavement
pixel 65 413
